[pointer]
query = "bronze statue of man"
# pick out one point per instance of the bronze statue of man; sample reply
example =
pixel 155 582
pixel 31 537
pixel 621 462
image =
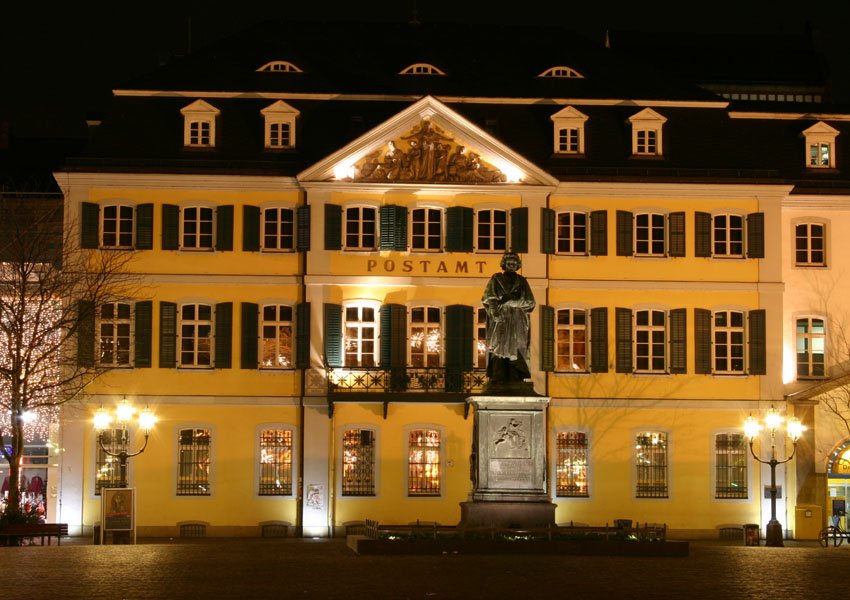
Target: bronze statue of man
pixel 508 301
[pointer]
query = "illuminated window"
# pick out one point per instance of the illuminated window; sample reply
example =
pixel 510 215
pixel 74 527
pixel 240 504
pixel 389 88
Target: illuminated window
pixel 425 335
pixel 360 227
pixel 569 131
pixel 730 466
pixel 361 335
pixel 571 464
pixel 651 464
pixel 650 234
pixel 114 334
pixel 275 462
pixel 193 462
pixel 278 229
pixel 276 340
pixel 727 236
pixel 421 69
pixel 811 347
pixel 279 119
pixel 195 341
pixel 423 463
pixel 728 346
pixel 810 244
pixel 426 229
pixel 358 462
pixel 196 225
pixel 571 233
pixel 647 133
pixel 650 341
pixel 480 358
pixel 199 120
pixel 116 226
pixel 561 72
pixel 571 340
pixel 820 146
pixel 107 468
pixel 491 228
pixel 279 66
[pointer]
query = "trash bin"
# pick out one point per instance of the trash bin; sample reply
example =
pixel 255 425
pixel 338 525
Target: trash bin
pixel 96 534
pixel 751 535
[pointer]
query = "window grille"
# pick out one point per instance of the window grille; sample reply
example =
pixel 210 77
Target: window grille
pixel 423 463
pixel 276 342
pixel 571 340
pixel 730 453
pixel 275 462
pixel 117 227
pixel 728 342
pixel 651 464
pixel 193 464
pixel 358 462
pixel 811 347
pixel 571 233
pixel 114 334
pixel 278 229
pixel 193 530
pixel 810 244
pixel 571 469
pixel 107 468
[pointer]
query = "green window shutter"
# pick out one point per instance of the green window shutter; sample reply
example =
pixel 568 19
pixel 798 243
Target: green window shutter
pixel 143 334
pixel 755 235
pixel 90 226
pixel 85 333
pixel 702 235
pixel 702 341
pixel 547 338
pixel 547 231
pixel 599 339
pixel 302 234
pixel 302 335
pixel 393 227
pixel 249 340
pixel 251 228
pixel 333 227
pixel 333 335
pixel 757 338
pixel 170 227
pixel 144 227
pixel 458 345
pixel 599 233
pixel 625 233
pixel 223 335
pixel 224 228
pixel 394 344
pixel 678 341
pixel 624 362
pixel 519 230
pixel 459 229
pixel 167 335
pixel 676 233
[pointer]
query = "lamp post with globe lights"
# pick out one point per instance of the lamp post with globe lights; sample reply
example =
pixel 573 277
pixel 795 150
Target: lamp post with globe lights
pixel 794 429
pixel 123 414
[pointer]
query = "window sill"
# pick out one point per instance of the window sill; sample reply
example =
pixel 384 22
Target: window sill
pixel 571 373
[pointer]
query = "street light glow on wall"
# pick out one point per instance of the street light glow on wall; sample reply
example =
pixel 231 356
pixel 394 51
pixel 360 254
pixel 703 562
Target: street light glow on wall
pixel 772 423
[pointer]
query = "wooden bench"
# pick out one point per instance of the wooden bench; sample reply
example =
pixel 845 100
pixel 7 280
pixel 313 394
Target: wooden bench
pixel 35 530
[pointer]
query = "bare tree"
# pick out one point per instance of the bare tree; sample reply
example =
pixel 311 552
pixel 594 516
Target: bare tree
pixel 50 293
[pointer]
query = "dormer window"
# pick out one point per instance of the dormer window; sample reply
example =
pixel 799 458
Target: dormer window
pixel 279 125
pixel 647 139
pixel 820 146
pixel 199 124
pixel 279 66
pixel 421 69
pixel 562 72
pixel 569 131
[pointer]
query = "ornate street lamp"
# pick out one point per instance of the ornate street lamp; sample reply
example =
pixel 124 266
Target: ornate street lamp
pixel 123 414
pixel 794 429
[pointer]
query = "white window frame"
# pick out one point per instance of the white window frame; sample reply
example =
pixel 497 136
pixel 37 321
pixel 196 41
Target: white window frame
pixel 650 328
pixel 116 321
pixel 197 339
pixel 199 221
pixel 361 246
pixel 277 224
pixel 572 328
pixel 277 323
pixel 651 229
pixel 118 220
pixel 491 235
pixel 279 66
pixel 375 470
pixel 809 239
pixel 643 123
pixel 441 461
pixel 557 466
pixel 820 136
pixel 571 240
pixel 276 116
pixel 569 119
pixel 259 458
pixel 730 331
pixel 728 229
pixel 360 326
pixel 421 69
pixel 561 72
pixel 426 325
pixel 811 338
pixel 195 116
pixel 427 236
pixel 210 480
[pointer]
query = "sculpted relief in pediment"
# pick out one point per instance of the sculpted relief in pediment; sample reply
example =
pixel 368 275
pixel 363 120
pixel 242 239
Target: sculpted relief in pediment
pixel 426 154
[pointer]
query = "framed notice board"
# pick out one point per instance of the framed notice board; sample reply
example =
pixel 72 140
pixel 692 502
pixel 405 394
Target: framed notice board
pixel 118 510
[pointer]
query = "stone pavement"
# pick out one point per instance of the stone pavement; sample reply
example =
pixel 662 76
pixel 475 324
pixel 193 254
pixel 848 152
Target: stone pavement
pixel 327 569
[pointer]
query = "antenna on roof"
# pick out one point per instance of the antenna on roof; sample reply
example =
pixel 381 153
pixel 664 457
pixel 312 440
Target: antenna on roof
pixel 607 41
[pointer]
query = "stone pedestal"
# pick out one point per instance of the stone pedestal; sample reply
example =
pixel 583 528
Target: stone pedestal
pixel 509 464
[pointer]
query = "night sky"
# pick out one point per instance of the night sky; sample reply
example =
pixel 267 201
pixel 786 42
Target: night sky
pixel 71 54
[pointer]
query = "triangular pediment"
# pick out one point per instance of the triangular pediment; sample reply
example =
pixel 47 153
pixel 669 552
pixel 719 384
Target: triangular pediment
pixel 427 143
pixel 647 114
pixel 821 128
pixel 200 107
pixel 280 108
pixel 569 114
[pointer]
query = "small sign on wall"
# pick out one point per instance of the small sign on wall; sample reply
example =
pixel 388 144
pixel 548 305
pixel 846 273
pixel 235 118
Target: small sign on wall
pixel 315 496
pixel 767 492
